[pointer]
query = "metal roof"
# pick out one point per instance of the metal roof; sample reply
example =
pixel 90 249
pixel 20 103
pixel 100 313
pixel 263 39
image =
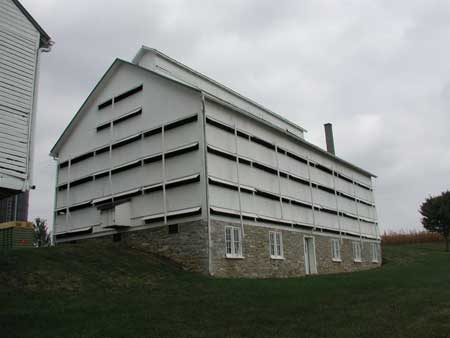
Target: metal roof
pixel 119 62
pixel 145 49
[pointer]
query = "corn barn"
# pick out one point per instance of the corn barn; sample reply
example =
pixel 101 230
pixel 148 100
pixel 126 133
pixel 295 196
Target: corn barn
pixel 166 159
pixel 22 41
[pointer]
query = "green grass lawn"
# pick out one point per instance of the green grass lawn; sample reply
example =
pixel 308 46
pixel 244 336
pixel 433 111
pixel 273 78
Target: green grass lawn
pixel 109 291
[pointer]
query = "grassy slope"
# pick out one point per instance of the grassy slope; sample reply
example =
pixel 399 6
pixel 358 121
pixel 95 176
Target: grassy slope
pixel 70 291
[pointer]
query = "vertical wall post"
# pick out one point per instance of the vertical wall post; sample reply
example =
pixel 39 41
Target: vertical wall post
pixel 205 167
pixel 163 146
pixel 238 180
pixel 308 164
pixel 337 203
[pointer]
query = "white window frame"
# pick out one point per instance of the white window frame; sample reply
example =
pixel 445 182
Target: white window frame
pixel 336 250
pixel 375 253
pixel 276 243
pixel 233 242
pixel 357 252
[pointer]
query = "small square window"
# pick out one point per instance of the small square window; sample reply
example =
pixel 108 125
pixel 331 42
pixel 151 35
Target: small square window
pixel 173 228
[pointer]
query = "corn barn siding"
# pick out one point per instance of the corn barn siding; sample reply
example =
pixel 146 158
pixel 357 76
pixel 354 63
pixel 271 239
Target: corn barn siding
pixel 168 159
pixel 21 42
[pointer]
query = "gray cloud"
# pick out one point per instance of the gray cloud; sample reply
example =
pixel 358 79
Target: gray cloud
pixel 378 70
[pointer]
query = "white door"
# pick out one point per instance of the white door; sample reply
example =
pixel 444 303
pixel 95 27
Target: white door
pixel 310 256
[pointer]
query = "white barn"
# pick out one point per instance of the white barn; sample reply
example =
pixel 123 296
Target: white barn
pixel 21 42
pixel 166 158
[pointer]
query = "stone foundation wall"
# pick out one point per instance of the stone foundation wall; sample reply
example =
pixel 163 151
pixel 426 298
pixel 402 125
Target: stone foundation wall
pixel 188 247
pixel 257 263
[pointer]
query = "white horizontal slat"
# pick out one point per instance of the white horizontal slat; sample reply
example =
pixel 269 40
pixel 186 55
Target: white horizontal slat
pixel 13 118
pixel 19 162
pixel 8 150
pixel 13 112
pixel 8 138
pixel 12 151
pixel 4 130
pixel 15 67
pixel 15 89
pixel 14 73
pixel 13 126
pixel 9 53
pixel 12 173
pixel 18 80
pixel 183 211
pixel 20 148
pixel 13 103
pixel 11 140
pixel 11 44
pixel 28 32
pixel 18 38
pixel 15 14
pixel 152 216
pixel 5 165
pixel 17 63
pixel 15 94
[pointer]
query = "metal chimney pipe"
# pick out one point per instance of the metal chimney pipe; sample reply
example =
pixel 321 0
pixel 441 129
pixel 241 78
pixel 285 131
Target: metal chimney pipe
pixel 329 138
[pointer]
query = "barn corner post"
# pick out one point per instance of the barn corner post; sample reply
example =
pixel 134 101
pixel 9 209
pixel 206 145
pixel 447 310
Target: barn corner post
pixel 205 172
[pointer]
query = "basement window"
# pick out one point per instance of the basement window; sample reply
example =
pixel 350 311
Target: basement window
pixel 128 93
pixel 357 252
pixel 233 243
pixel 276 245
pixel 173 229
pixel 336 250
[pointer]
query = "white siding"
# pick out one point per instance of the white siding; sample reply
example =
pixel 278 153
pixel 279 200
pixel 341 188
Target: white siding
pixel 162 103
pixel 18 56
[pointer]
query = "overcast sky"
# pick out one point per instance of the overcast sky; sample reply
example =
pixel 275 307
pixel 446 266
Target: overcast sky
pixel 378 70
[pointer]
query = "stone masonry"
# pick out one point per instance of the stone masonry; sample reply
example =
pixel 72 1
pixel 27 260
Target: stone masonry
pixel 257 263
pixel 188 247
